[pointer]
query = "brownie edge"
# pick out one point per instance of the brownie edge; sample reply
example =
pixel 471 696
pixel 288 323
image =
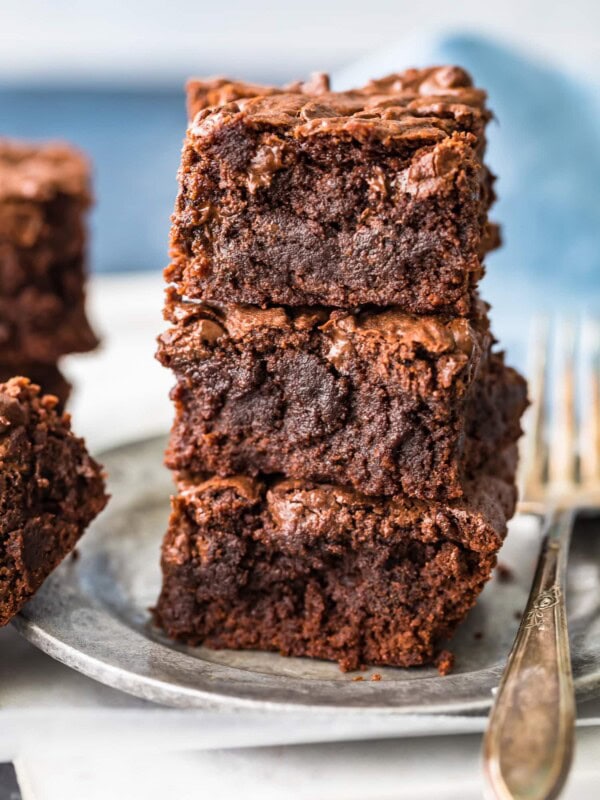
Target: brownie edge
pixel 50 490
pixel 377 400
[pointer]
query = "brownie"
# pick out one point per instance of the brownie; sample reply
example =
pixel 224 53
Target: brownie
pixel 44 198
pixel 311 197
pixel 47 376
pixel 377 400
pixel 314 570
pixel 51 489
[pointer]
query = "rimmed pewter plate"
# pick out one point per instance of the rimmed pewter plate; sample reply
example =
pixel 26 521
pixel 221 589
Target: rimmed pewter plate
pixel 93 615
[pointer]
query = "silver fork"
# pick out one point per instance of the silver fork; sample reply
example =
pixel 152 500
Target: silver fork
pixel 528 746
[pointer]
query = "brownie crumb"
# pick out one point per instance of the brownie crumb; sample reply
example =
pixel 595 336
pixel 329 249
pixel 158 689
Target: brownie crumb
pixel 375 676
pixel 44 199
pixel 445 662
pixel 505 573
pixel 517 615
pixel 47 376
pixel 478 635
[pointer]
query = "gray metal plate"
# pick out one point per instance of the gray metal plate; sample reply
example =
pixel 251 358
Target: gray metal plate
pixel 92 614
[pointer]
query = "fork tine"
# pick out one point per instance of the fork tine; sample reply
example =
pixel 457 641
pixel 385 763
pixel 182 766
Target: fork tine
pixel 533 450
pixel 589 445
pixel 562 453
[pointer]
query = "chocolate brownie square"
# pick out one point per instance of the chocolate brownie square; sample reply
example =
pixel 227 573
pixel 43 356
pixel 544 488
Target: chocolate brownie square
pixel 50 490
pixel 311 197
pixel 44 198
pixel 309 569
pixel 376 400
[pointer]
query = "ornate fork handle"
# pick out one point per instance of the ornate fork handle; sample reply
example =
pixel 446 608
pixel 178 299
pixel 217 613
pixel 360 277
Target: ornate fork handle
pixel 529 741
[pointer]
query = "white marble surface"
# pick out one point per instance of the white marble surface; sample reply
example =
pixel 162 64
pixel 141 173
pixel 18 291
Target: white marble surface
pixel 73 738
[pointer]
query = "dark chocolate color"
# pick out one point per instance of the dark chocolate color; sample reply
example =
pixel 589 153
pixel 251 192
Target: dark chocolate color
pixel 44 196
pixel 336 381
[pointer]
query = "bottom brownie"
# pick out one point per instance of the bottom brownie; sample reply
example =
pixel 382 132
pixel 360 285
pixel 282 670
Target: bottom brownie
pixel 47 376
pixel 314 570
pixel 50 490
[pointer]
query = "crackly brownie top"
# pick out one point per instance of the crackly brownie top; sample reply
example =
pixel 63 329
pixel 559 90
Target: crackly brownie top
pixel 415 105
pixel 40 172
pixel 435 334
pixel 220 91
pixel 295 505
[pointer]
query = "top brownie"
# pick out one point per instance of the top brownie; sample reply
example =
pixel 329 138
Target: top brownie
pixel 306 196
pixel 44 196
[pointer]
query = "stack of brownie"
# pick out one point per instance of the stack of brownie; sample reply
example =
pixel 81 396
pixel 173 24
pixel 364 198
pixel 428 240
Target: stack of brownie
pixel 345 435
pixel 44 196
